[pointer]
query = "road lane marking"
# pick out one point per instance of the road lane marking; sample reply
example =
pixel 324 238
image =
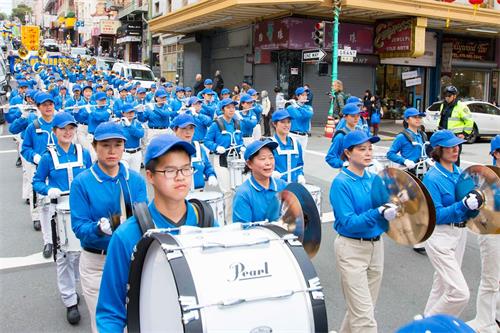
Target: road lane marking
pixel 8 151
pixel 31 260
pixel 8 136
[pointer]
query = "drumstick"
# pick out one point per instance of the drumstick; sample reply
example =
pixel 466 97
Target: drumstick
pixel 421 162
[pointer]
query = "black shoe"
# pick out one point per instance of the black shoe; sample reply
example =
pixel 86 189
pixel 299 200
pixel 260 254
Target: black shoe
pixel 77 299
pixel 73 315
pixel 47 250
pixel 142 165
pixel 19 162
pixel 27 201
pixel 37 226
pixel 420 250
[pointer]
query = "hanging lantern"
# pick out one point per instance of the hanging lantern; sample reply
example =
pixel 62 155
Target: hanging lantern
pixel 475 4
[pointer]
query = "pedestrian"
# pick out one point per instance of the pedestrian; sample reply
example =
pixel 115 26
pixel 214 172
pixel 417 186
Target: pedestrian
pixel 301 117
pixel 455 116
pixel 339 99
pixel 376 114
pixel 218 82
pixel 236 91
pixel 198 84
pixel 267 112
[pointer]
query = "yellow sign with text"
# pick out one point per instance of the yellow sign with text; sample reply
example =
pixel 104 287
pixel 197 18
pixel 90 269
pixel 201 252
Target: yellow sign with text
pixel 30 37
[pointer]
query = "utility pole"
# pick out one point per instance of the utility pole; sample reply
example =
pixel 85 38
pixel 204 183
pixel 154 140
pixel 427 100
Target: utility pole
pixel 335 47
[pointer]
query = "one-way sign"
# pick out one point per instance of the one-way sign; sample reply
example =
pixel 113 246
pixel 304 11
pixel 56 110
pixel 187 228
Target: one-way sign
pixel 313 55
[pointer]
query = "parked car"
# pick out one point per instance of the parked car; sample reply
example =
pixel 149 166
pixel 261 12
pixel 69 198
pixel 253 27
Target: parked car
pixel 138 72
pixel 486 118
pixel 83 52
pixel 51 45
pixel 105 63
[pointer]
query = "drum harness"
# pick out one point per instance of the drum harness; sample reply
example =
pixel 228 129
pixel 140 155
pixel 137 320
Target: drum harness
pixel 222 128
pixel 421 167
pixel 197 157
pixel 288 153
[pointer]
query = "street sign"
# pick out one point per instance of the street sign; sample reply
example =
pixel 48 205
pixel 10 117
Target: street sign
pixel 313 55
pixel 80 24
pixel 347 52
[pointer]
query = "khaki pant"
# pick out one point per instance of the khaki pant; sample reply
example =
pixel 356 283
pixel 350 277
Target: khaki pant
pixel 361 266
pixel 91 267
pixel 449 293
pixel 302 139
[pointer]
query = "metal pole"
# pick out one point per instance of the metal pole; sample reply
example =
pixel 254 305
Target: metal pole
pixel 335 46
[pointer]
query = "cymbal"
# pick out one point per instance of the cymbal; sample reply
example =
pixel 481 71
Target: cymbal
pixel 301 217
pixel 495 169
pixel 486 181
pixel 416 218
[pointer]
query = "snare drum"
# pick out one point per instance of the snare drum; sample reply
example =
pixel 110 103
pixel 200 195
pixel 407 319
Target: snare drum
pixel 228 279
pixel 215 200
pixel 236 168
pixel 316 194
pixel 67 238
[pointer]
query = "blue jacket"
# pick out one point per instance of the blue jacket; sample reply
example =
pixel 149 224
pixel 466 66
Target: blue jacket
pixel 362 125
pixel 36 141
pixel 58 178
pixel 175 104
pixel 288 156
pixel 202 123
pixel 202 166
pixel 257 109
pixel 20 124
pixel 60 101
pixel 441 184
pixel 157 117
pixel 252 202
pixel 335 151
pixel 134 133
pixel 248 122
pixel 355 216
pixel 117 106
pixel 150 97
pixel 209 109
pixel 97 115
pixel 301 118
pixel 406 149
pixel 230 137
pixel 94 195
pixel 111 312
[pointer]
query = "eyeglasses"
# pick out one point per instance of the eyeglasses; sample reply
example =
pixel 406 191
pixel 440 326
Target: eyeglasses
pixel 171 173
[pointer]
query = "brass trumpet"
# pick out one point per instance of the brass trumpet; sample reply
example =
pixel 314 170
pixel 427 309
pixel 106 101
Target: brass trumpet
pixel 42 53
pixel 23 52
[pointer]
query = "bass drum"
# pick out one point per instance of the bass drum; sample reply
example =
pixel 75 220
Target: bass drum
pixel 237 278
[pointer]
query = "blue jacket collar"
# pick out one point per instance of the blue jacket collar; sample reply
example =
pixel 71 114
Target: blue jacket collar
pixel 353 176
pixel 100 176
pixel 446 172
pixel 272 185
pixel 161 222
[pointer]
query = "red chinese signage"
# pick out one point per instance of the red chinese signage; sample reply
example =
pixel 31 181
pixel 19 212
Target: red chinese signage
pixel 394 37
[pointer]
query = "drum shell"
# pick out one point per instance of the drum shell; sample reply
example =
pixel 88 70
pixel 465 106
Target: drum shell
pixel 215 200
pixel 316 194
pixel 67 238
pixel 236 176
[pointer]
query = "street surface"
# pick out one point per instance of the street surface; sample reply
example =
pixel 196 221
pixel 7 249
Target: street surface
pixel 30 299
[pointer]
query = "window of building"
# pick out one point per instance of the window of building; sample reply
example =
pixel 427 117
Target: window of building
pixel 157 8
pixel 169 6
pixel 471 83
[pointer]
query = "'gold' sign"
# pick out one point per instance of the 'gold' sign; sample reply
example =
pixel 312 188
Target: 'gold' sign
pixel 400 37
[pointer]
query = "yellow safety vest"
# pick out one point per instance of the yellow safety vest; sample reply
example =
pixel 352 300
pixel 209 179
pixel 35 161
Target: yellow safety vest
pixel 460 120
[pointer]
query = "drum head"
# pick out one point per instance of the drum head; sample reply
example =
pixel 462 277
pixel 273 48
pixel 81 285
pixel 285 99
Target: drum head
pixel 205 195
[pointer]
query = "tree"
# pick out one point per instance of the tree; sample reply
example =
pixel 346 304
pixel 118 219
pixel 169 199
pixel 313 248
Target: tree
pixel 21 11
pixel 3 16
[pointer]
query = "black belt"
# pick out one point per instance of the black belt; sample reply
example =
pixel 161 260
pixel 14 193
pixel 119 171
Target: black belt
pixel 300 133
pixel 96 251
pixel 131 151
pixel 158 127
pixel 373 239
pixel 247 136
pixel 458 225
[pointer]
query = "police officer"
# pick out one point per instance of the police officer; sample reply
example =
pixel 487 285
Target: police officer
pixel 301 117
pixel 455 116
pixel 168 170
pixel 99 197
pixel 57 169
pixel 359 249
pixel 184 128
pixel 289 164
pixel 256 199
pixel 134 132
pixel 445 248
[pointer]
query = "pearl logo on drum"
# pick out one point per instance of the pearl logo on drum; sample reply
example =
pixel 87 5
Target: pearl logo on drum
pixel 240 272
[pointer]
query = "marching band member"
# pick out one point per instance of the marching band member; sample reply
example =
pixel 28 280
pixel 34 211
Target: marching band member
pixel 158 117
pixel 202 121
pixel 120 101
pixel 445 248
pixel 247 118
pixel 151 94
pixel 256 199
pixel 488 298
pixel 37 137
pixel 61 98
pixel 58 166
pixel 288 154
pixel 301 117
pixel 106 190
pixel 257 109
pixel 134 132
pixel 188 92
pixel 176 102
pixel 362 123
pixel 184 128
pixel 208 107
pixel 359 249
pixel 351 113
pixel 168 170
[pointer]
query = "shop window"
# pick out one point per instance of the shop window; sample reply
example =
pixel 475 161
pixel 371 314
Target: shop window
pixel 470 83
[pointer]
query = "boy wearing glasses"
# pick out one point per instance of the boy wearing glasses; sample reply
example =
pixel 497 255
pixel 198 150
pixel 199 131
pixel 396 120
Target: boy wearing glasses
pixel 168 170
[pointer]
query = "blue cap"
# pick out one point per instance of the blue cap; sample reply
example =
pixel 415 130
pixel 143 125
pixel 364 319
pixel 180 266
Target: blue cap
pixel 445 138
pixel 192 100
pixel 121 88
pixel 183 120
pixel 129 77
pixel 246 98
pixel 257 145
pixel 127 107
pixel 141 90
pixel 225 91
pixel 252 92
pixel 354 99
pixel 179 88
pixel 109 88
pixel 22 83
pixel 62 119
pixel 87 87
pixel 207 91
pixel 280 115
pixel 153 85
pixel 160 93
pixel 168 84
pixel 18 99
pixel 357 137
pixel 43 97
pixel 412 112
pixel 188 89
pixel 136 83
pixel 77 87
pixel 226 101
pixel 495 144
pixel 161 144
pixel 351 108
pixel 100 96
pixel 63 87
pixel 109 130
pixel 300 91
pixel 437 323
pixel 208 81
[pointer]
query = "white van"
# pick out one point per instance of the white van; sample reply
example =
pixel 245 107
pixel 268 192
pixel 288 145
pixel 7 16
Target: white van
pixel 138 72
pixel 105 63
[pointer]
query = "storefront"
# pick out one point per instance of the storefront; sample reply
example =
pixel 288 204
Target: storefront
pixel 107 36
pixel 129 40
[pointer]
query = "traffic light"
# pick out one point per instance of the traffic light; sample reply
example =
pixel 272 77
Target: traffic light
pixel 319 34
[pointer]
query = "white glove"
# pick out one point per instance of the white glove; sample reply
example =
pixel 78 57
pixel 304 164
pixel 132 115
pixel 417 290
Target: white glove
pixel 238 115
pixel 276 174
pixel 37 158
pixel 105 226
pixel 126 122
pixel 54 193
pixel 212 181
pixel 409 164
pixel 389 211
pixel 345 164
pixel 25 113
pixel 430 162
pixel 471 201
pixel 243 149
pixel 220 150
pixel 301 179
